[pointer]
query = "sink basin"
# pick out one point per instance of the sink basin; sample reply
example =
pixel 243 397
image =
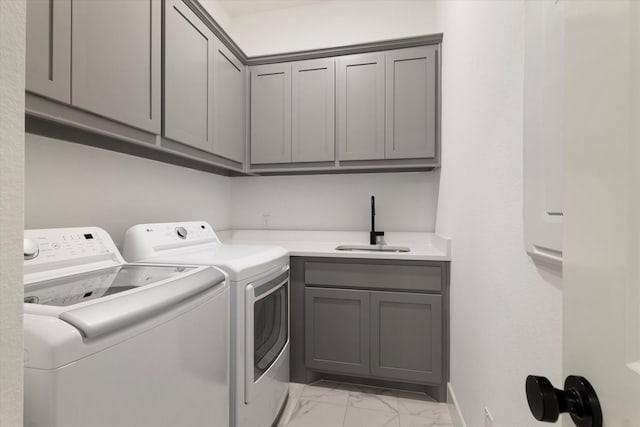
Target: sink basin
pixel 372 248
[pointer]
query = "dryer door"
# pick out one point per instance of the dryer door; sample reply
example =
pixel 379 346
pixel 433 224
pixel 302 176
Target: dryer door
pixel 267 329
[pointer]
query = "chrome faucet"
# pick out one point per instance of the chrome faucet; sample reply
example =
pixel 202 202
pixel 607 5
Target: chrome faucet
pixel 373 234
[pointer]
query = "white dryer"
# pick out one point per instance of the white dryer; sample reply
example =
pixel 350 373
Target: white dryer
pixel 259 280
pixel 113 344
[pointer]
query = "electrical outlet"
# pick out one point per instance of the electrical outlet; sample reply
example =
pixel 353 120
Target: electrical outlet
pixel 488 419
pixel 265 220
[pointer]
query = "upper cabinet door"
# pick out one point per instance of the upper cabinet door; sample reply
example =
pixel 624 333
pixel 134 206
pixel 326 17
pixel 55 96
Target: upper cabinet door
pixel 188 88
pixel 271 114
pixel 361 107
pixel 411 103
pixel 115 60
pixel 48 56
pixel 313 111
pixel 228 104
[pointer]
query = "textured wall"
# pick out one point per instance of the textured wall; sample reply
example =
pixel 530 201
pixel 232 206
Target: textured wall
pixel 506 317
pixel 75 185
pixel 12 45
pixel 404 201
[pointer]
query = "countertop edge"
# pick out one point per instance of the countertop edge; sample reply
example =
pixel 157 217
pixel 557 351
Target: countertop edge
pixel 424 246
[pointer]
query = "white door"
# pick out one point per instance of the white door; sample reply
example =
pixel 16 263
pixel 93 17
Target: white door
pixel 602 205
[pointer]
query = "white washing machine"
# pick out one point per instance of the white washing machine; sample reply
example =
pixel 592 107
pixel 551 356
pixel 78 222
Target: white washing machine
pixel 259 280
pixel 113 344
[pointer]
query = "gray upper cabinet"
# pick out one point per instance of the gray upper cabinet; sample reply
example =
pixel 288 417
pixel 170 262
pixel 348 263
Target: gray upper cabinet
pixel 228 104
pixel 188 89
pixel 48 53
pixel 411 103
pixel 361 107
pixel 313 110
pixel 165 75
pixel 337 330
pixel 406 336
pixel 271 114
pixel 115 60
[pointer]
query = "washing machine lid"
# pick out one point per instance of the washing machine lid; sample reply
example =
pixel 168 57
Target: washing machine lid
pixel 240 262
pixel 66 291
pixel 100 302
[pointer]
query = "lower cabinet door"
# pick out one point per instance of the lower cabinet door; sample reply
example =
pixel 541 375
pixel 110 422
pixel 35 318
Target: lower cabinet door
pixel 337 330
pixel 406 336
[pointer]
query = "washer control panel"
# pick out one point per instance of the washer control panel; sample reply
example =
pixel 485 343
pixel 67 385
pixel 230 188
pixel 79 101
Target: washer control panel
pixel 66 244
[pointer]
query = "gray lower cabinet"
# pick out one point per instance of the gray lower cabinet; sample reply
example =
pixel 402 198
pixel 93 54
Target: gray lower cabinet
pixel 411 103
pixel 361 107
pixel 188 88
pixel 115 60
pixel 406 336
pixel 228 104
pixel 48 52
pixel 337 330
pixel 381 320
pixel 271 114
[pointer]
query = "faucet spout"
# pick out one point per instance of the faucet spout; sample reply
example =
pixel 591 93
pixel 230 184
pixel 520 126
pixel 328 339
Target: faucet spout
pixel 373 234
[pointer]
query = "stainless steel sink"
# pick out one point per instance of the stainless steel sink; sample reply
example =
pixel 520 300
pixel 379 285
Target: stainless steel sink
pixel 372 248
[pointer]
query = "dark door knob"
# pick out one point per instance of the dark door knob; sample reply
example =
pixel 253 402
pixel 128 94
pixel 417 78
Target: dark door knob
pixel 578 398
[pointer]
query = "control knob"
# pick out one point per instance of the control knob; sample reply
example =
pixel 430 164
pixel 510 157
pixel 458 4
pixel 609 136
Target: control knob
pixel 181 232
pixel 31 249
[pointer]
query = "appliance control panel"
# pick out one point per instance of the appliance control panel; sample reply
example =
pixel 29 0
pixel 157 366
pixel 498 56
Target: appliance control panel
pixel 167 233
pixel 144 241
pixel 67 245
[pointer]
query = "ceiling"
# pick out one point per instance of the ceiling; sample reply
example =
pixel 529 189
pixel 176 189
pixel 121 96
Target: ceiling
pixel 236 8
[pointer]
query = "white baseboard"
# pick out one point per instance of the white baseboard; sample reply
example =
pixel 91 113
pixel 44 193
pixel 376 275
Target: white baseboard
pixel 454 409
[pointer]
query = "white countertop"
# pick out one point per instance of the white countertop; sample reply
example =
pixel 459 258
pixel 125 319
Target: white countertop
pixel 423 246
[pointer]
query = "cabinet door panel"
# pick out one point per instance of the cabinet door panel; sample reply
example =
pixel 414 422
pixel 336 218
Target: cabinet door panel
pixel 228 104
pixel 188 93
pixel 411 103
pixel 115 60
pixel 337 330
pixel 313 111
pixel 48 54
pixel 271 114
pixel 406 336
pixel 361 107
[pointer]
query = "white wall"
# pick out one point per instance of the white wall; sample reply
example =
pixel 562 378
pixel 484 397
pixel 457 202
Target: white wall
pixel 12 43
pixel 404 201
pixel 506 317
pixel 75 185
pixel 331 23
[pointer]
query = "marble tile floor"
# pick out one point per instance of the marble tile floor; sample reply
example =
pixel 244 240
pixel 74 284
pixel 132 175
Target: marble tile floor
pixel 333 404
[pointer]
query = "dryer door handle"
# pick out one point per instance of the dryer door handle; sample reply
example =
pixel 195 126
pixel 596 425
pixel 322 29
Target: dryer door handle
pixel 263 290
